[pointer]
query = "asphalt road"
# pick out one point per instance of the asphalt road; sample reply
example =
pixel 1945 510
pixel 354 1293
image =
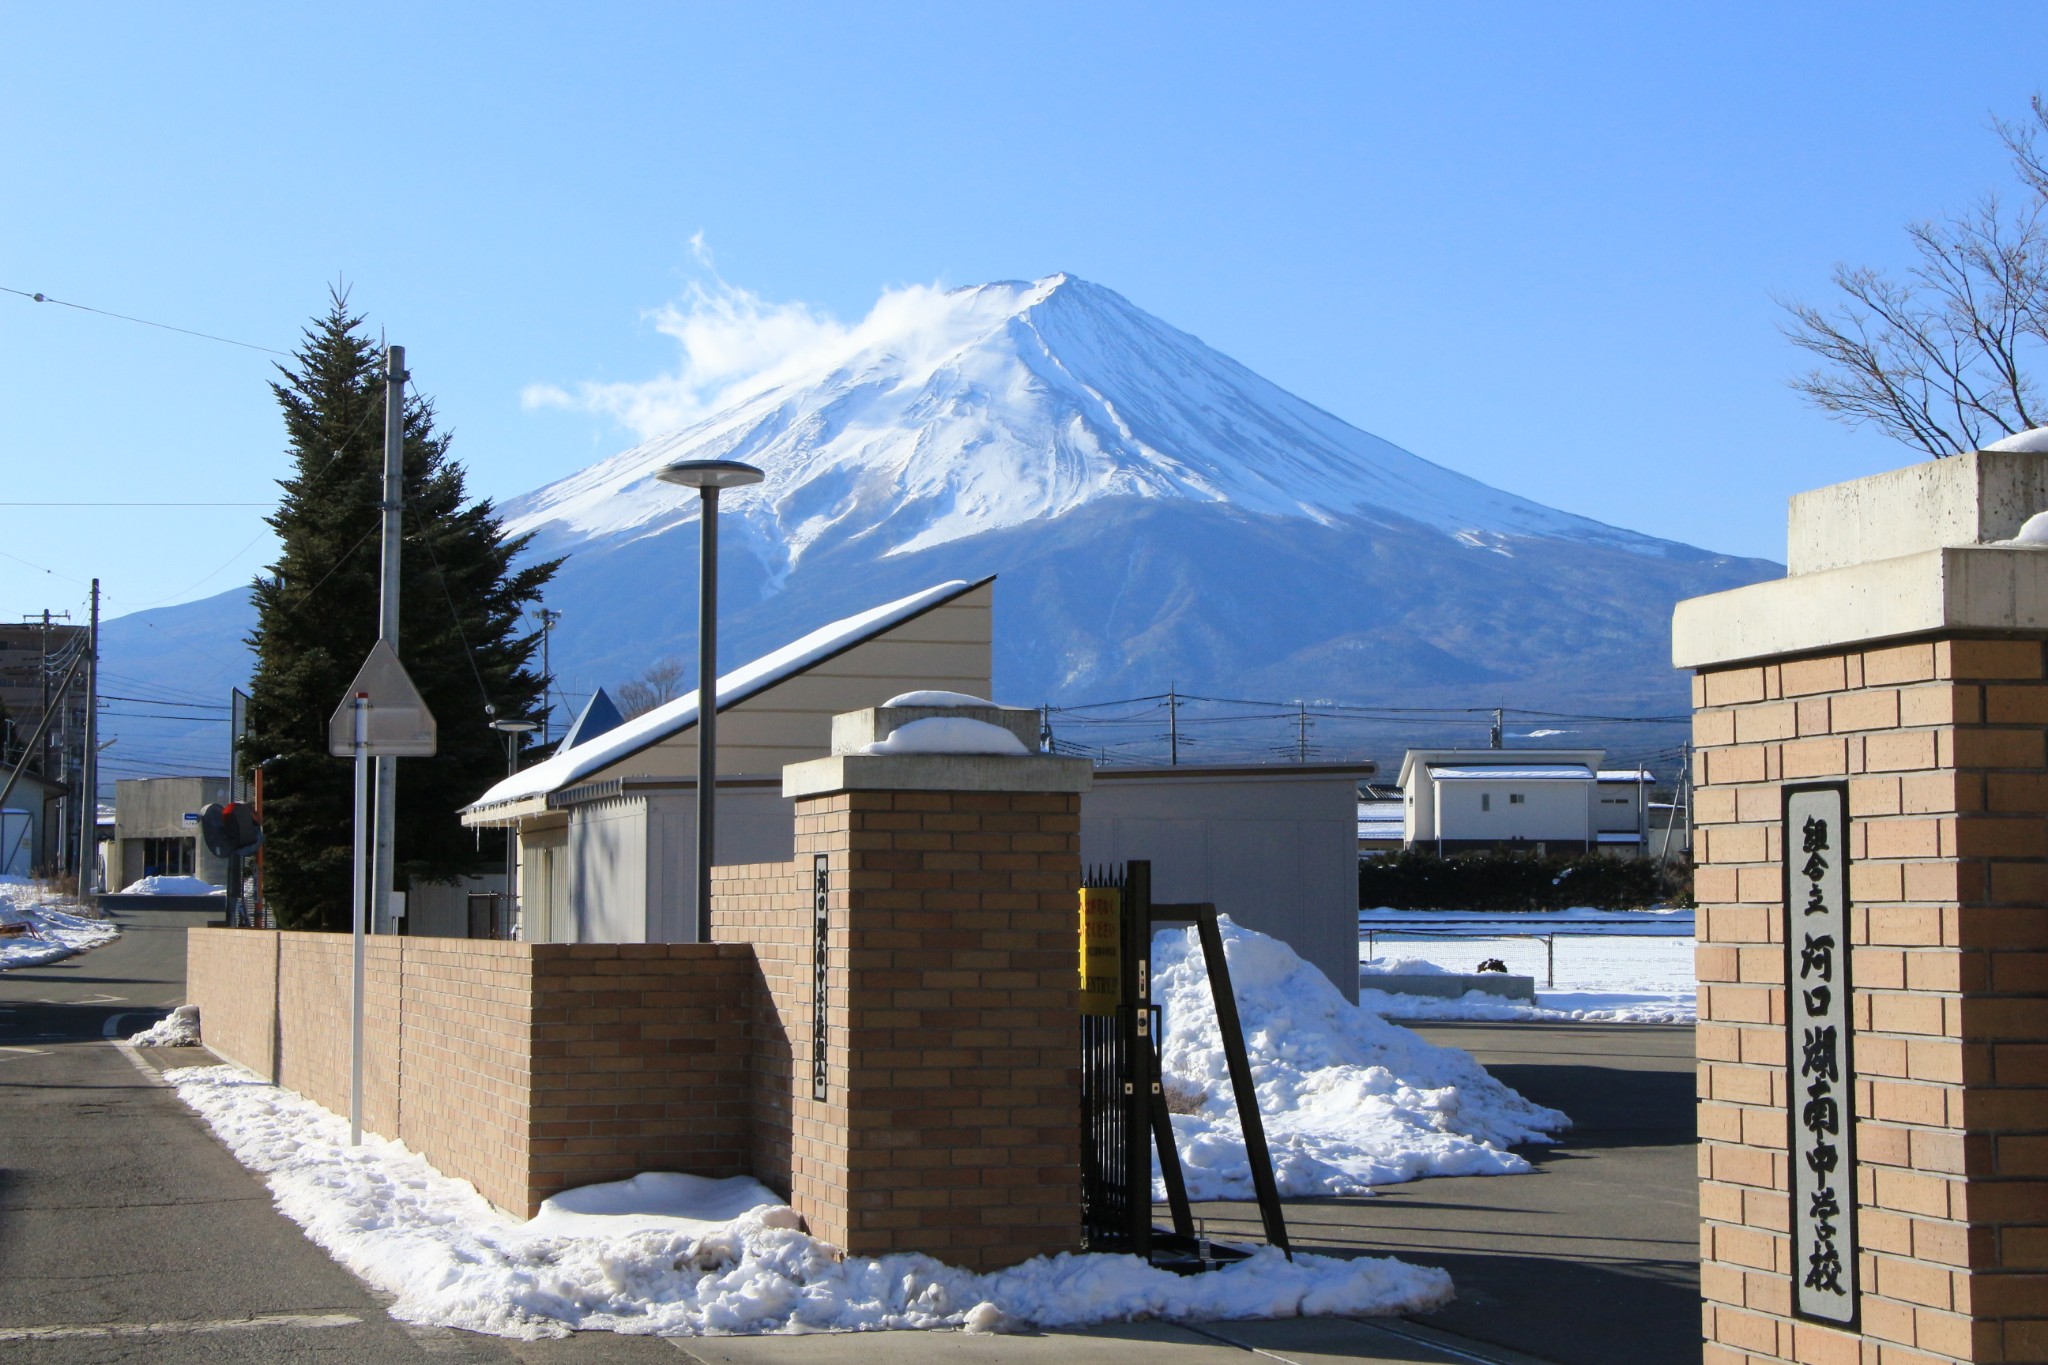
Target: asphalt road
pixel 127 1233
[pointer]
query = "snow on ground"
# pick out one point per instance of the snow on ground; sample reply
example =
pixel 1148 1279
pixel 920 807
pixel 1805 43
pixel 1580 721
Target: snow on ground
pixel 172 886
pixel 1349 1101
pixel 453 1261
pixel 54 928
pixel 179 1028
pixel 1612 966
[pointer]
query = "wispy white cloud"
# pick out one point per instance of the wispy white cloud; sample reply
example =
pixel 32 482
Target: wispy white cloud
pixel 733 343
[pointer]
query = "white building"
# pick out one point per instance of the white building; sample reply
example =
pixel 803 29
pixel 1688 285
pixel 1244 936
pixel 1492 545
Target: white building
pixel 1542 800
pixel 607 827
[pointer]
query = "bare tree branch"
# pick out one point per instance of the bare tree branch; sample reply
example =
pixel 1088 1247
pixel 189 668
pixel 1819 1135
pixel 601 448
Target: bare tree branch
pixel 1943 358
pixel 660 684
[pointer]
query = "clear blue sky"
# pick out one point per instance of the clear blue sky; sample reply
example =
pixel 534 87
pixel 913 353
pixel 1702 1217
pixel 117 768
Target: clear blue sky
pixel 1539 244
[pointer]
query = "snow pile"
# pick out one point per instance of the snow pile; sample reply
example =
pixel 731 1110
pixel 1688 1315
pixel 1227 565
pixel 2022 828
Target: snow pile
pixel 1404 966
pixel 935 697
pixel 453 1261
pixel 949 735
pixel 656 1201
pixel 1349 1101
pixel 45 929
pixel 172 886
pixel 1612 966
pixel 179 1028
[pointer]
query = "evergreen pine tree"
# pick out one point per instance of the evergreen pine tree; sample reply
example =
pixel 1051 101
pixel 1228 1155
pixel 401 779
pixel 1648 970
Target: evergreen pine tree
pixel 462 634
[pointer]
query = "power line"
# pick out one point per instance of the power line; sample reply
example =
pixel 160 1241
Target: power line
pixel 137 504
pixel 87 308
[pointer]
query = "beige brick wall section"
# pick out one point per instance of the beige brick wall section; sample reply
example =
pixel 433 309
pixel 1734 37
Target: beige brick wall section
pixel 1942 745
pixel 522 1068
pixel 234 976
pixel 951 1123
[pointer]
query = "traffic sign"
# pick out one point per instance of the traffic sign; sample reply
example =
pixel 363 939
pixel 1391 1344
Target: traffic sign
pixel 399 724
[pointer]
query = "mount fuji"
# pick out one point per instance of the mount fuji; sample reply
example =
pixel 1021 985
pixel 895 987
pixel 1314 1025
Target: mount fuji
pixel 1157 513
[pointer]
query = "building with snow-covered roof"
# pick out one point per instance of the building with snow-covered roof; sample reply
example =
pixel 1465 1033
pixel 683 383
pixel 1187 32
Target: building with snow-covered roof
pixel 1542 800
pixel 1621 811
pixel 606 827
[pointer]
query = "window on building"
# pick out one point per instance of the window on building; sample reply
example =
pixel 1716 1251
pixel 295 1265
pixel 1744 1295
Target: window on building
pixel 1485 801
pixel 1515 798
pixel 167 857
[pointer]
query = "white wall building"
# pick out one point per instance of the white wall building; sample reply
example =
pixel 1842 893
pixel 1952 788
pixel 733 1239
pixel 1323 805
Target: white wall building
pixel 1542 800
pixel 1271 846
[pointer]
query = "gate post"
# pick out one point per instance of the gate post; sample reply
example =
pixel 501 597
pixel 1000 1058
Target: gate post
pixel 1872 866
pixel 949 1116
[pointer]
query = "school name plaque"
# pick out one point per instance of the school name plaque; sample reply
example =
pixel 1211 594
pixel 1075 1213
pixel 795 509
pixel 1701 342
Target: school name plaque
pixel 1816 851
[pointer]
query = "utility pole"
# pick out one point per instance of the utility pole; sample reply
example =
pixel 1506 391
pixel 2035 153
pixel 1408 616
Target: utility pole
pixel 89 761
pixel 1301 739
pixel 392 507
pixel 547 673
pixel 43 758
pixel 1493 735
pixel 1173 725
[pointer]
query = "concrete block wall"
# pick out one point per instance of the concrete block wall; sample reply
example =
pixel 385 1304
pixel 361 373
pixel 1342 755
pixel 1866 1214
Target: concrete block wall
pixel 1941 742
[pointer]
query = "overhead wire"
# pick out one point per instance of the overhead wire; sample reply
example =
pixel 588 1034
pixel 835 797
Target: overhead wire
pixel 124 317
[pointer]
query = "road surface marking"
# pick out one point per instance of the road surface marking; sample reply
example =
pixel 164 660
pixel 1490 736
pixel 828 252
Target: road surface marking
pixel 304 1321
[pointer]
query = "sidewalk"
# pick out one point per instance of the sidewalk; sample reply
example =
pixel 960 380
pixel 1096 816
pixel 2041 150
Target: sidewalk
pixel 128 1233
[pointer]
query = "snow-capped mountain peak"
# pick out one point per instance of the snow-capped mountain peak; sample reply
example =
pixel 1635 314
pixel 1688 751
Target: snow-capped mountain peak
pixel 946 414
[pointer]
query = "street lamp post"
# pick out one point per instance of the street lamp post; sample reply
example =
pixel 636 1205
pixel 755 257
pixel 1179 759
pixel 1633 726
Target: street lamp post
pixel 707 477
pixel 512 730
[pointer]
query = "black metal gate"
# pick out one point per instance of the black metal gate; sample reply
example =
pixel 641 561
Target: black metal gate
pixel 1124 1118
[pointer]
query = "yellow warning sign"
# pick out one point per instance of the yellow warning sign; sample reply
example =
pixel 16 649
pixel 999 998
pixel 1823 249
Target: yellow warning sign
pixel 1102 959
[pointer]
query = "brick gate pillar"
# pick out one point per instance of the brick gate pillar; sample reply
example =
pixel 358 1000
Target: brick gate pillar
pixel 1898 672
pixel 944 1113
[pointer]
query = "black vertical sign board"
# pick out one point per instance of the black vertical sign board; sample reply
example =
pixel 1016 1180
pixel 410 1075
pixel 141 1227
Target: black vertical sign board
pixel 1820 1070
pixel 821 887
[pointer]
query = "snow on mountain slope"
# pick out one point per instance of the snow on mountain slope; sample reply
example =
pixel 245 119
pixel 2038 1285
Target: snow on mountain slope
pixel 947 415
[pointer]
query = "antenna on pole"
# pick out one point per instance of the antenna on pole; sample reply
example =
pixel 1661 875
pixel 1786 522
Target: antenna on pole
pixel 1493 735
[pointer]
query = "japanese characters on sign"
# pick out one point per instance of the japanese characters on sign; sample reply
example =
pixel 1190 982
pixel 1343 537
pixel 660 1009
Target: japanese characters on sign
pixel 821 923
pixel 1816 851
pixel 1101 950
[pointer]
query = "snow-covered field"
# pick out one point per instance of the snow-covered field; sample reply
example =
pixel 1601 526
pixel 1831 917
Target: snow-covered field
pixel 451 1260
pixel 1349 1101
pixel 1612 966
pixel 54 928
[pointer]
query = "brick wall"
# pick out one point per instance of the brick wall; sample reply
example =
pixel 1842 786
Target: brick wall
pixel 951 1120
pixel 237 975
pixel 522 1068
pixel 960 1070
pixel 641 1056
pixel 1941 743
pixel 768 906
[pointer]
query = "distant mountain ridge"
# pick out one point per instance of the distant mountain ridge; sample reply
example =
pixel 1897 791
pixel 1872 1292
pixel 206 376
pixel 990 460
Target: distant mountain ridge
pixel 1156 512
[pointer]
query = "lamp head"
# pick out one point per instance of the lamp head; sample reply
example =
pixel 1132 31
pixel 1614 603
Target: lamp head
pixel 514 727
pixel 702 474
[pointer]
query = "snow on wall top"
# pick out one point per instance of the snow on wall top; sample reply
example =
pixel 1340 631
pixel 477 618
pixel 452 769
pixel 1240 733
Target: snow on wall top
pixel 945 415
pixel 671 718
